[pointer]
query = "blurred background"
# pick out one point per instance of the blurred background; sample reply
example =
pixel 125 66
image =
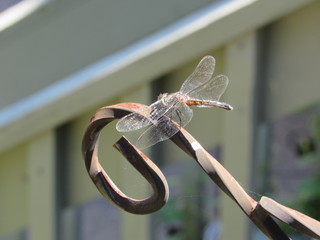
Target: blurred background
pixel 62 60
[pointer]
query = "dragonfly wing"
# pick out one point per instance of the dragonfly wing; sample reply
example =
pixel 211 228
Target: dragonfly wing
pixel 158 109
pixel 164 128
pixel 211 90
pixel 151 136
pixel 200 76
pixel 132 122
pixel 135 121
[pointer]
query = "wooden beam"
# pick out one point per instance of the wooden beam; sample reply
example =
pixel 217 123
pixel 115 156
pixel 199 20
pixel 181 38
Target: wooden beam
pixel 241 67
pixel 42 191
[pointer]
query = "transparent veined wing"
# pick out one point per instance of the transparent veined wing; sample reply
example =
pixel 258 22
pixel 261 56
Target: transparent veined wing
pixel 132 122
pixel 135 121
pixel 211 90
pixel 164 128
pixel 150 137
pixel 200 75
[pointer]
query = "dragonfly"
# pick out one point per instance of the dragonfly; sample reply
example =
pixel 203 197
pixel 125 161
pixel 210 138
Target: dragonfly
pixel 200 89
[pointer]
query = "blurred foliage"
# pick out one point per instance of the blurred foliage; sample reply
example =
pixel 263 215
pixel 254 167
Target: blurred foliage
pixel 184 215
pixel 309 197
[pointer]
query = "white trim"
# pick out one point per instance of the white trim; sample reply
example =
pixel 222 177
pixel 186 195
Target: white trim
pixel 18 12
pixel 117 61
pixel 200 32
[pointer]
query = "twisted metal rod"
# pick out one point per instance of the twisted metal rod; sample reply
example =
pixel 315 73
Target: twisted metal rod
pixel 260 212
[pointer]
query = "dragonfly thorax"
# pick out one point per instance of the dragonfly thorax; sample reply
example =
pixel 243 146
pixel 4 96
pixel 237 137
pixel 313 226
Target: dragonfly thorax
pixel 173 98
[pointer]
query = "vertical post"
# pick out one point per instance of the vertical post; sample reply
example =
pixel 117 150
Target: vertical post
pixel 42 197
pixel 135 226
pixel 241 67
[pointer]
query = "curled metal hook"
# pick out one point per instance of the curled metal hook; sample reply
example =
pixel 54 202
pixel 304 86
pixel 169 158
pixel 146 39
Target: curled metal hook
pixel 141 162
pixel 260 212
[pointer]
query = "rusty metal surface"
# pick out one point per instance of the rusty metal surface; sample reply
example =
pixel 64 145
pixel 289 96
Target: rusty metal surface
pixel 260 213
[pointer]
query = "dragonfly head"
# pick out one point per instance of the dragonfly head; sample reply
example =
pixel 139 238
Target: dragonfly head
pixel 162 96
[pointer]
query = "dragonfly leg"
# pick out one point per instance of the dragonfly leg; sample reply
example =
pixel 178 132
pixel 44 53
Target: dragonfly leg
pixel 178 115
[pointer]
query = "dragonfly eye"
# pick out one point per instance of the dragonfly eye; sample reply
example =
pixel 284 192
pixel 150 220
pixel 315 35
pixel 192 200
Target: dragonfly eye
pixel 162 96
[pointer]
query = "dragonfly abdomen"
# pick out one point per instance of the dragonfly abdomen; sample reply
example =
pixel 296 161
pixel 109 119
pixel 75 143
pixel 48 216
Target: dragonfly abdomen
pixel 204 103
